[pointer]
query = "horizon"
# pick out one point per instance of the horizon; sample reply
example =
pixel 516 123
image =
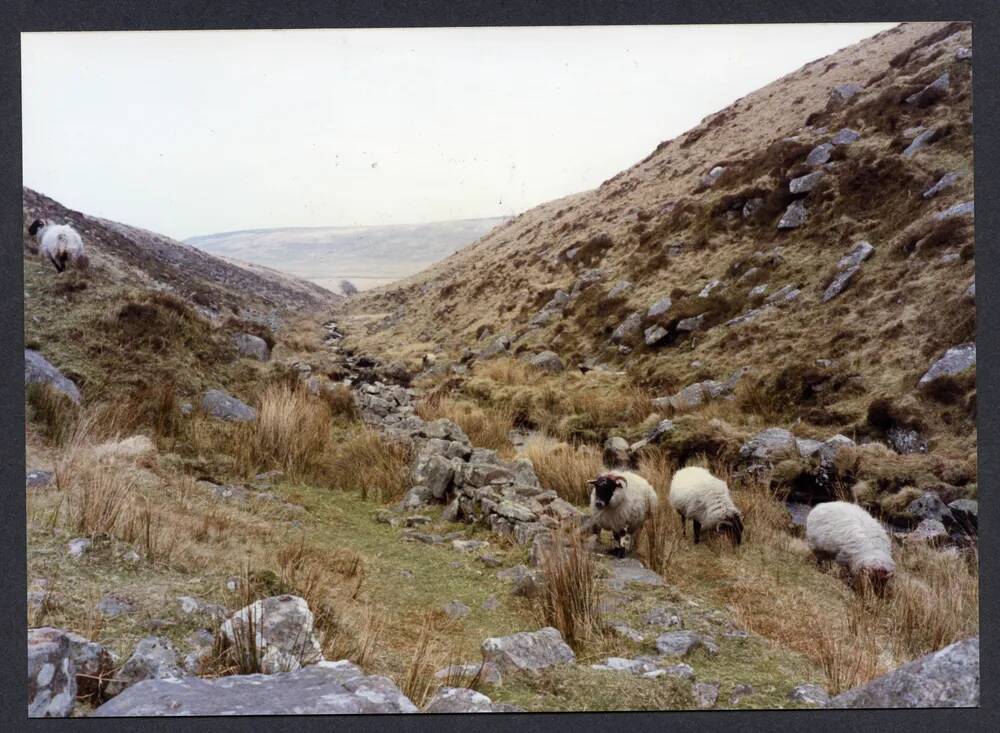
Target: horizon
pixel 233 136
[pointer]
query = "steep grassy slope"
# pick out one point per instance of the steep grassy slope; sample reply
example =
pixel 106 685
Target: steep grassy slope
pixel 667 228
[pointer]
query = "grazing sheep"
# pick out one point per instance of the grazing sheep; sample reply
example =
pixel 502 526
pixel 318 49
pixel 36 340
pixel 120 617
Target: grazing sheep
pixel 845 532
pixel 704 499
pixel 60 243
pixel 621 501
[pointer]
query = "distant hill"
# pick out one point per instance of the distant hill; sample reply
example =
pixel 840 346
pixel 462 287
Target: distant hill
pixel 367 256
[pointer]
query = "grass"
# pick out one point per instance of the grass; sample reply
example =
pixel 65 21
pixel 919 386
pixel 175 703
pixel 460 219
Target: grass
pixel 52 411
pixel 366 462
pixel 487 427
pixel 571 596
pixel 565 469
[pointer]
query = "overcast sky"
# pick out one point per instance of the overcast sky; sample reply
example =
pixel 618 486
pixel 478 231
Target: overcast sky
pixel 188 133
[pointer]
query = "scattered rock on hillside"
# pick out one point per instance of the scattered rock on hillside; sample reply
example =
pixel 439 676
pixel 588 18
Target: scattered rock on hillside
pixel 768 445
pixel 928 532
pixel 94 664
pixel 946 678
pixel 622 664
pixel 966 208
pixel 78 547
pixel 905 440
pixel 963 54
pixel 806 183
pixel 252 346
pixel 499 346
pixel 154 658
pixel 620 290
pixel 654 335
pixel 628 329
pixel 283 628
pixel 946 181
pixel 709 287
pixel 929 506
pixel 38 370
pixel 682 643
pixel 931 93
pixel 487 672
pixel 694 323
pixel 548 361
pixel 846 136
pixel 921 141
pixel 616 453
pixel 751 207
pixel 794 216
pixel 820 154
pixel 965 513
pixel 112 606
pixel 459 700
pixel 37 478
pixel 326 688
pixel 51 674
pixel 843 93
pixel 712 176
pixel 706 694
pixel 528 651
pixel 226 407
pixel 586 279
pixel 954 361
pixel 848 266
pixel 660 307
pixel 456 610
pixel 809 695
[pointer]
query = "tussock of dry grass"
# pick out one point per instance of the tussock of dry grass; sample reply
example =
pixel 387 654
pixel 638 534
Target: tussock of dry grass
pixel 565 469
pixel 487 427
pixel 52 411
pixel 291 433
pixel 571 594
pixel 365 461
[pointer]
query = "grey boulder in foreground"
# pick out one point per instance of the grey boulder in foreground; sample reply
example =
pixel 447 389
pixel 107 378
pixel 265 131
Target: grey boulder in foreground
pixel 948 678
pixel 326 688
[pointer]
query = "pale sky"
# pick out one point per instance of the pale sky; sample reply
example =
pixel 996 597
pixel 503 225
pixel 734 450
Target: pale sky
pixel 197 132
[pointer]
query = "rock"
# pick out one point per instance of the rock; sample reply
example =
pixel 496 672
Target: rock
pixel 78 547
pixel 751 207
pixel 688 398
pixel 38 370
pixel 949 258
pixel 931 93
pixel 628 329
pixel 946 181
pixel 498 346
pixel 680 671
pixel 965 513
pixel 858 254
pixel 458 700
pixel 528 651
pixel 621 664
pixel 490 561
pixel 680 643
pixel 469 545
pixel 515 512
pixel 794 216
pixel 586 279
pixel 784 294
pixel 963 54
pixel 616 453
pixel 323 689
pixel 456 610
pixel 190 606
pixel 970 292
pixel 848 266
pixel 37 478
pixel 843 93
pixel 486 672
pixel 839 283
pixel 966 208
pixel 946 678
pixel 692 324
pixel 51 674
pixel 739 692
pixel 768 445
pixel 905 440
pixel 252 346
pixel 627 632
pixel 809 695
pixel 548 361
pixel 928 532
pixel 709 287
pixel 113 606
pixel 154 658
pixel 662 617
pixel 620 290
pixel 659 307
pixel 223 406
pixel 921 141
pixel 819 155
pixel 954 361
pixel 527 582
pixel 845 136
pixel 806 183
pixel 706 694
pixel 283 631
pixel 708 180
pixel 434 472
pixel 625 571
pixel 654 335
pixel 93 663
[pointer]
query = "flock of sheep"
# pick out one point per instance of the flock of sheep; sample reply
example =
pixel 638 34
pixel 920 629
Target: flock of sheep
pixel 623 501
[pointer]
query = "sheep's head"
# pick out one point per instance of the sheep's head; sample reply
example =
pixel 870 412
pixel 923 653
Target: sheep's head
pixel 604 489
pixel 81 261
pixel 877 574
pixel 732 527
pixel 35 226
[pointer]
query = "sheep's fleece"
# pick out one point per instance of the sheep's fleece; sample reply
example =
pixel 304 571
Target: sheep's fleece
pixel 851 535
pixel 698 495
pixel 630 506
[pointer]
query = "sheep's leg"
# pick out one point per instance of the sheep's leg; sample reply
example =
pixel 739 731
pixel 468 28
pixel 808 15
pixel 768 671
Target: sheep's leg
pixel 59 268
pixel 684 524
pixel 616 546
pixel 697 530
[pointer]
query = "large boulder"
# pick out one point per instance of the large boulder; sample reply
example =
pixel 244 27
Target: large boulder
pixel 38 370
pixel 628 329
pixel 252 346
pixel 528 651
pixel 226 407
pixel 931 93
pixel 154 658
pixel 326 688
pixel 945 678
pixel 435 472
pixel 283 631
pixel 51 674
pixel 548 361
pixel 954 361
pixel 768 445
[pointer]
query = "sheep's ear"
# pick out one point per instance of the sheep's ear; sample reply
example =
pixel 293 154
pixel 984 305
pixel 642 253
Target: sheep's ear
pixel 620 482
pixel 592 482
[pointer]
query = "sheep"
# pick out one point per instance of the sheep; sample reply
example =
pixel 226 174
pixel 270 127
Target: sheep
pixel 59 242
pixel 847 533
pixel 621 501
pixel 704 499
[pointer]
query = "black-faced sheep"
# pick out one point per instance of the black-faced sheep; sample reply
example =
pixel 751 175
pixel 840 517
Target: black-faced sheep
pixel 621 501
pixel 60 243
pixel 846 533
pixel 704 499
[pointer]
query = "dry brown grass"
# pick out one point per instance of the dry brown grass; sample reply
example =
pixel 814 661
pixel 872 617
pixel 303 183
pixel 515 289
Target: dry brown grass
pixel 506 370
pixel 291 433
pixel 419 682
pixel 365 461
pixel 487 427
pixel 53 412
pixel 571 594
pixel 565 469
pixel 340 399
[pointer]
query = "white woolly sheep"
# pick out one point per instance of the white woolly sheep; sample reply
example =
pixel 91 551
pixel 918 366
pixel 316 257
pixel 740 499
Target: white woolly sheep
pixel 845 532
pixel 621 501
pixel 60 243
pixel 704 499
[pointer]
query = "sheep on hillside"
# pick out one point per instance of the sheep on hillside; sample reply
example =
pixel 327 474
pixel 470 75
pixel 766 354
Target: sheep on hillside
pixel 60 243
pixel 845 532
pixel 704 499
pixel 621 501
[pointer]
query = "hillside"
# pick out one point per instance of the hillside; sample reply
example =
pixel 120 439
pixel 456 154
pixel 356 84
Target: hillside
pixel 367 256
